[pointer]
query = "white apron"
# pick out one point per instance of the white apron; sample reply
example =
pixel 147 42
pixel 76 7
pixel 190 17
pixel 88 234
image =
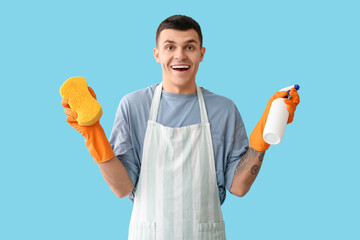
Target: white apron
pixel 177 194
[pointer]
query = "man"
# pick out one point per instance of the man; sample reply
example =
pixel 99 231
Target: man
pixel 175 146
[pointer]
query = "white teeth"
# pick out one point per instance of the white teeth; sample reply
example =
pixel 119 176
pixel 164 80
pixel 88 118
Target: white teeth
pixel 180 66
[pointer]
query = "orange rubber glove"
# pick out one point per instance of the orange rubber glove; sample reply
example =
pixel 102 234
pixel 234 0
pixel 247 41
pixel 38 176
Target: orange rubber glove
pixel 95 138
pixel 256 137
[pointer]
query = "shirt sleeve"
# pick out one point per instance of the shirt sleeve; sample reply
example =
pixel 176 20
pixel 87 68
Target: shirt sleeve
pixel 240 144
pixel 121 142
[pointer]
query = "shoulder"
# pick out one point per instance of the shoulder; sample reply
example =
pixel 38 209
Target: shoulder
pixel 136 101
pixel 218 102
pixel 139 97
pixel 221 111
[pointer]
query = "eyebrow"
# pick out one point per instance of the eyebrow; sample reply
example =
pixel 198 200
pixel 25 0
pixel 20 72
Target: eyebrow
pixel 188 41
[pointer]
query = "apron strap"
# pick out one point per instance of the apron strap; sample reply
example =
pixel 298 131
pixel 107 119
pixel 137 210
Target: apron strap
pixel 203 113
pixel 156 103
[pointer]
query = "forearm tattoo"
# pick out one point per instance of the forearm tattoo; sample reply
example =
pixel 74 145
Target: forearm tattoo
pixel 261 156
pixel 247 158
pixel 255 169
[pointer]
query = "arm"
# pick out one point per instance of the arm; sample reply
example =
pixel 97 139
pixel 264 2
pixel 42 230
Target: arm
pixel 246 172
pixel 116 177
pixel 112 169
pixel 249 165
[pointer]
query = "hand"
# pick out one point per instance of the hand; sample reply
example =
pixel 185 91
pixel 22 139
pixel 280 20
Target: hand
pixel 72 116
pixel 256 137
pixel 95 138
pixel 292 103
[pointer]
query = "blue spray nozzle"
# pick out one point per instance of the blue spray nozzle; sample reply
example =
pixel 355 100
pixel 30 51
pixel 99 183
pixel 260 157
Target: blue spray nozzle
pixel 287 89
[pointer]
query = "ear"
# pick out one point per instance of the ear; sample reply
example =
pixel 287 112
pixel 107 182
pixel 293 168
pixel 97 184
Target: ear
pixel 156 54
pixel 202 52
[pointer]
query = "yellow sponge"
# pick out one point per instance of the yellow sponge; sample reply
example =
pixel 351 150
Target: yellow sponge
pixel 81 101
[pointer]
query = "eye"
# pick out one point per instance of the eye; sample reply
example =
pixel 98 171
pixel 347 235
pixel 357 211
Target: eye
pixel 169 48
pixel 190 48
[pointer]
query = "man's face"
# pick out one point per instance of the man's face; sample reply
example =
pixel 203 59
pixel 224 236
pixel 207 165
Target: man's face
pixel 179 54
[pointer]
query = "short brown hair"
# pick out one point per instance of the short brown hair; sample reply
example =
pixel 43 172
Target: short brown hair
pixel 179 22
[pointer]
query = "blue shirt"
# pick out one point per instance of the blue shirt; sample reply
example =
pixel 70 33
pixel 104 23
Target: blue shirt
pixel 228 133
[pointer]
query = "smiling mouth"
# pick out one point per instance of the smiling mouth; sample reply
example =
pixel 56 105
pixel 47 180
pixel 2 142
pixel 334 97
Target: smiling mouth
pixel 181 68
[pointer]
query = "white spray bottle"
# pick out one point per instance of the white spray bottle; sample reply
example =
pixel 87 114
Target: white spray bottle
pixel 277 119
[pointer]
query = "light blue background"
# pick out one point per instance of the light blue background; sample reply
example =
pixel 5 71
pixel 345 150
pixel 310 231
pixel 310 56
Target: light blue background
pixel 308 186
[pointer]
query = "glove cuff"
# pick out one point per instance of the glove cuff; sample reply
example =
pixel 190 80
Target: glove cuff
pixel 256 139
pixel 98 145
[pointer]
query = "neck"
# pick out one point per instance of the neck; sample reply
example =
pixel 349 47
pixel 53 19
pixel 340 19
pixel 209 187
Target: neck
pixel 189 88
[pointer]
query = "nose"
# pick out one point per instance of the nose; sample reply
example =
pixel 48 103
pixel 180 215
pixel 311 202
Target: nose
pixel 180 54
